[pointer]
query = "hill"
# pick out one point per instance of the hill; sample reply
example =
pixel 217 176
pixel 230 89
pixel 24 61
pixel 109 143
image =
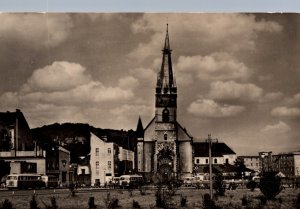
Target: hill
pixel 76 137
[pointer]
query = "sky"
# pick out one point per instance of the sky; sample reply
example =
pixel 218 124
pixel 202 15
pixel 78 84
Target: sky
pixel 237 74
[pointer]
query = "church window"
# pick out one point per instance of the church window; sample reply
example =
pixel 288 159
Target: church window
pixel 197 161
pixel 226 161
pixel 206 161
pixel 166 136
pixel 165 115
pixel 215 161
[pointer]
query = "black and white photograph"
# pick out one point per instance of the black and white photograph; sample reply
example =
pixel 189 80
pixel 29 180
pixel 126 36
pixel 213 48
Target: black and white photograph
pixel 149 110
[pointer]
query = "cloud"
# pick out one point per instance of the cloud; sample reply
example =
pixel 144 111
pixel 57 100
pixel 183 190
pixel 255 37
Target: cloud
pixel 295 100
pixel 36 28
pixel 217 66
pixel 232 90
pixel 59 76
pixel 64 84
pixel 128 82
pixel 193 32
pixel 286 112
pixel 277 128
pixel 272 96
pixel 211 109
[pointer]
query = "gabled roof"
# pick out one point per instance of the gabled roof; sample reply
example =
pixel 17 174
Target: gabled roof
pixel 218 149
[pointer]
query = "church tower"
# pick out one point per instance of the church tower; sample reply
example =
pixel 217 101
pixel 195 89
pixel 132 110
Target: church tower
pixel 166 147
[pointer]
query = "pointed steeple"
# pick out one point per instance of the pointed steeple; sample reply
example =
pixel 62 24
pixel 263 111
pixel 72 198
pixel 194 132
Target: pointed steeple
pixel 165 79
pixel 140 129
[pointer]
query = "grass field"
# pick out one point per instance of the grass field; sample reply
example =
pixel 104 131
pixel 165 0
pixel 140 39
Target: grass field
pixel 232 199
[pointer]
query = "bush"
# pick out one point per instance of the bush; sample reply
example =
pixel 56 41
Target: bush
pixel 183 201
pixel 91 203
pixel 270 185
pixel 208 203
pixel 135 205
pixel 219 185
pixel 245 200
pixel 33 203
pixel 251 185
pixel 6 204
pixel 297 202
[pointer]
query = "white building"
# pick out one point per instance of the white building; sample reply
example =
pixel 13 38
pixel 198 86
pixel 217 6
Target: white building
pixel 106 158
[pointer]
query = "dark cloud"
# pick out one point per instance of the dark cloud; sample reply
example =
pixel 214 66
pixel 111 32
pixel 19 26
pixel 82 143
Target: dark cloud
pixel 237 74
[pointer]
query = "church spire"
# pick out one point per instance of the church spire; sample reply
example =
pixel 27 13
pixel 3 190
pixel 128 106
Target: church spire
pixel 140 129
pixel 165 79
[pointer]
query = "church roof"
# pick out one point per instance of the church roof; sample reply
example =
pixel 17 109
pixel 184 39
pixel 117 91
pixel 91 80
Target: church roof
pixel 218 149
pixel 140 129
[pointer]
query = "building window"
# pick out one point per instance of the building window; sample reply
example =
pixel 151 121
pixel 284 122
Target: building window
pixel 215 161
pixel 165 115
pixel 206 161
pixel 109 164
pixel 109 151
pixel 226 161
pixel 97 151
pixel 166 136
pixel 97 164
pixel 197 161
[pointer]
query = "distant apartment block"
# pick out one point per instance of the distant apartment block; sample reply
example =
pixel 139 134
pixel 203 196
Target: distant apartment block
pixel 252 162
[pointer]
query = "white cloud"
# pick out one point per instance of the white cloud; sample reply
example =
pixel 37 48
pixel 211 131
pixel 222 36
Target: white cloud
pixel 67 84
pixel 277 128
pixel 272 96
pixel 59 76
pixel 128 82
pixel 232 90
pixel 217 66
pixel 211 109
pixel 286 112
pixel 295 100
pixel 36 28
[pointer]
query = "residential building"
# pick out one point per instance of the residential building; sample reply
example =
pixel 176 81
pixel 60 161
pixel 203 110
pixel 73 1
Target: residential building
pixel 17 147
pixel 287 163
pixel 107 160
pixel 58 164
pixel 252 162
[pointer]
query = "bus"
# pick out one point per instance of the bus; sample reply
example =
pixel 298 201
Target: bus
pixel 50 181
pixel 131 181
pixel 24 181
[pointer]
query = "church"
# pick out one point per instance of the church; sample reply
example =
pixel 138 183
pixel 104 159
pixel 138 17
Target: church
pixel 164 147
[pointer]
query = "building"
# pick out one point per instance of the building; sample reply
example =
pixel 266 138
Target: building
pixel 17 147
pixel 108 160
pixel 223 158
pixel 220 152
pixel 287 163
pixel 252 162
pixel 165 147
pixel 58 164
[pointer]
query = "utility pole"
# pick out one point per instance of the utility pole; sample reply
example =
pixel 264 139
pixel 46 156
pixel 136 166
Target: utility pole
pixel 209 140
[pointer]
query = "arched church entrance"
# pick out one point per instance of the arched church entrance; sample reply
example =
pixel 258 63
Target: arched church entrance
pixel 165 164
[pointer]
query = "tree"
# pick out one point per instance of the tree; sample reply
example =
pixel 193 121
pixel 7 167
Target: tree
pixel 270 185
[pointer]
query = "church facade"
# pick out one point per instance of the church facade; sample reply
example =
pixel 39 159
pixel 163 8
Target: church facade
pixel 164 147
